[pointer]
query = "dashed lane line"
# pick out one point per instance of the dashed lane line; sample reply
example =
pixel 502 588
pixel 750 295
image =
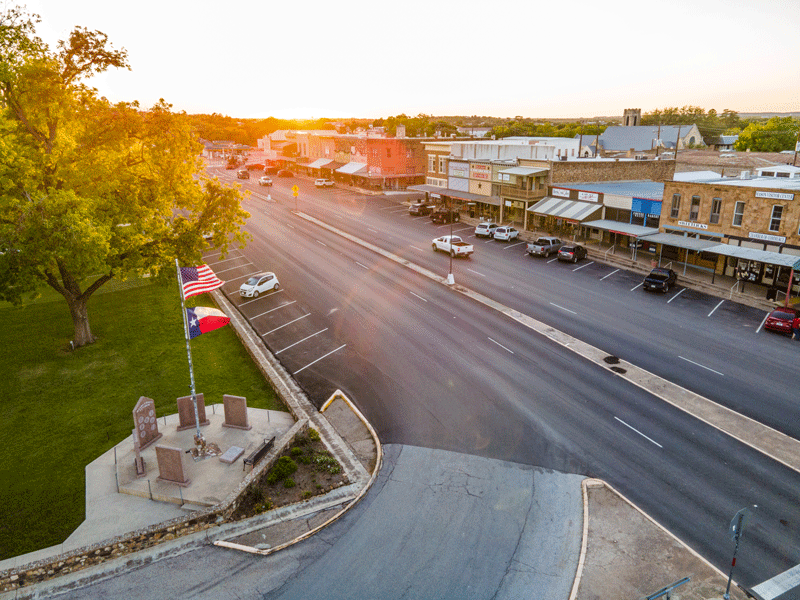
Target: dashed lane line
pixel 639 432
pixel 501 345
pixel 702 366
pixel 760 437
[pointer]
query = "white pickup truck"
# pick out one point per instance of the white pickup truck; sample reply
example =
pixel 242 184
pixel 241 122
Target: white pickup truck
pixel 453 245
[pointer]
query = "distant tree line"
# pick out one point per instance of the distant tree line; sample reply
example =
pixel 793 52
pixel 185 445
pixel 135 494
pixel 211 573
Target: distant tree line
pixel 421 125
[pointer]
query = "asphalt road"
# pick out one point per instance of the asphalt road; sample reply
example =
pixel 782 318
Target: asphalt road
pixel 430 368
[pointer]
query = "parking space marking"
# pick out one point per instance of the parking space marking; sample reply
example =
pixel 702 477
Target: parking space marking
pixel 415 248
pixel 303 340
pixel 462 229
pixel 319 359
pixel 762 323
pixel 582 266
pixel 273 309
pixel 476 272
pixel 373 230
pixel 285 324
pixel 716 307
pixel 676 295
pixel 610 274
pixel 638 286
pixel 489 241
pixel 362 266
pixel 501 345
pixel 219 262
pixel 246 302
pixel 234 268
pixel 321 243
pixel 565 309
pixel 418 296
pixel 387 208
pixel 703 366
pixel 287 224
pixel 552 260
pixel 639 432
pixel 514 245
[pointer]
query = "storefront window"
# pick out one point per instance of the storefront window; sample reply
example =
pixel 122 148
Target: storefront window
pixel 716 206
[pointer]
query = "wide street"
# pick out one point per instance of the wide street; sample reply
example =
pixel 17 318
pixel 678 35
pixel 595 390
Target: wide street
pixel 433 369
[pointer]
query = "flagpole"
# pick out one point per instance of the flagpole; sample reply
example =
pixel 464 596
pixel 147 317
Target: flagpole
pixel 198 437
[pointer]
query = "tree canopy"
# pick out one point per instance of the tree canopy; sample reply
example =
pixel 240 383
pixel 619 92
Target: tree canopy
pixel 91 190
pixel 776 134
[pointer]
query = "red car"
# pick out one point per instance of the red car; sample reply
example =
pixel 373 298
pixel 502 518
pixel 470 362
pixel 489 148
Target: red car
pixel 780 320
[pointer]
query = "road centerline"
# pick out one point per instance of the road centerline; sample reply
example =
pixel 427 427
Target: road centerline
pixel 639 432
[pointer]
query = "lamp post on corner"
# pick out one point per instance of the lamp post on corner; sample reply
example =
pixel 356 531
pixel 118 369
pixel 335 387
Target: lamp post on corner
pixel 450 279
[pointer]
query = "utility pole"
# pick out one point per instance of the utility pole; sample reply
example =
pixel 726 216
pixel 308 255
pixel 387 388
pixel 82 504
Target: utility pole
pixel 580 144
pixel 658 138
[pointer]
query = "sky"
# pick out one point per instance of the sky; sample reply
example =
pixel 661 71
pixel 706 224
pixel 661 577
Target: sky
pixel 372 59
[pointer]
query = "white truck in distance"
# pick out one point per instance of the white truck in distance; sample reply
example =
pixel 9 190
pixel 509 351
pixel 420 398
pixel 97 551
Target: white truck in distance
pixel 453 245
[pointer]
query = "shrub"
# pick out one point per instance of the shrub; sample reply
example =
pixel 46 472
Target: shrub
pixel 306 495
pixel 288 482
pixel 313 434
pixel 282 468
pixel 296 451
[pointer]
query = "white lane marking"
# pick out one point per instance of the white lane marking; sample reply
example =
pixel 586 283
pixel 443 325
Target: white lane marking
pixel 273 309
pixel 676 295
pixel 462 229
pixel 638 286
pixel 566 309
pixel 319 359
pixel 303 340
pixel 514 245
pixel 418 296
pixel 716 307
pixel 373 230
pixel 582 266
pixel 552 259
pixel 285 324
pixel 476 272
pixel 612 272
pixel 321 243
pixel 287 224
pixel 501 345
pixel 639 432
pixel 246 302
pixel 362 266
pixel 415 248
pixel 489 241
pixel 233 268
pixel 762 323
pixel 389 208
pixel 703 366
pixel 399 211
pixel 219 262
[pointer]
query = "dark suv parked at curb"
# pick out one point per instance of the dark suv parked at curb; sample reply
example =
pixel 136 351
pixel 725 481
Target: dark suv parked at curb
pixel 443 215
pixel 660 279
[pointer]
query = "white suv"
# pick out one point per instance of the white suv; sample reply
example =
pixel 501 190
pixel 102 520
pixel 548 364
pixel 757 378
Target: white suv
pixel 485 229
pixel 258 284
pixel 323 183
pixel 505 233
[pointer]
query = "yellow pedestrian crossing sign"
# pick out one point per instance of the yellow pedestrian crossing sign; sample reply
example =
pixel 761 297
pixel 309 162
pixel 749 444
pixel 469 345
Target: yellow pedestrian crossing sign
pixel 295 191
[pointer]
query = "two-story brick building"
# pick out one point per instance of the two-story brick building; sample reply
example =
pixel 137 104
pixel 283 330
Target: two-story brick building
pixel 751 225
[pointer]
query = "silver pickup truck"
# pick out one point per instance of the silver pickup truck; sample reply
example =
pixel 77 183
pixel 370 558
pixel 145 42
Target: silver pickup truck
pixel 544 246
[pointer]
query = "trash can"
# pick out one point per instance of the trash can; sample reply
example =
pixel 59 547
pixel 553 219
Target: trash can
pixel 772 293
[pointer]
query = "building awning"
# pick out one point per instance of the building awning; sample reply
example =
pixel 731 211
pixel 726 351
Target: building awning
pixel 565 209
pixel 440 191
pixel 622 228
pixel 679 241
pixel 525 171
pixel 319 163
pixel 353 168
pixel 762 256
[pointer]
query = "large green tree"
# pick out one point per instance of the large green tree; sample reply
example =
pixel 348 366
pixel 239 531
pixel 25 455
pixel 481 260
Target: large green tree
pixel 90 190
pixel 776 134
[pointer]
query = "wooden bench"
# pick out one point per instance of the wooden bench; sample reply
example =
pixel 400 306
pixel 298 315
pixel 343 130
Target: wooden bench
pixel 259 453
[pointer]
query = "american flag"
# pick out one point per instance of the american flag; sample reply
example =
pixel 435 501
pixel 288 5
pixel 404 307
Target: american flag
pixel 198 280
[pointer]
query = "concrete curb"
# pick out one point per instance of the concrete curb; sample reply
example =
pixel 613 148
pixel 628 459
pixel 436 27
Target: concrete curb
pixel 351 503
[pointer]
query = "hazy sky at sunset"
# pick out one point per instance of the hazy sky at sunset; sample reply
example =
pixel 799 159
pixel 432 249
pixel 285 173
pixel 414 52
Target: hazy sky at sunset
pixel 502 58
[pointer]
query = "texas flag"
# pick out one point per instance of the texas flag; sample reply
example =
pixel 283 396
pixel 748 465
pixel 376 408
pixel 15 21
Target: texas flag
pixel 203 319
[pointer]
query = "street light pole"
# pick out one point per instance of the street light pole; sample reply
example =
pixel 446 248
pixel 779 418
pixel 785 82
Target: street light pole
pixel 736 532
pixel 450 279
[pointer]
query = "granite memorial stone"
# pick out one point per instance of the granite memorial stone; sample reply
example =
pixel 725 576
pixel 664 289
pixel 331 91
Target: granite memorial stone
pixel 145 424
pixel 186 412
pixel 170 466
pixel 235 412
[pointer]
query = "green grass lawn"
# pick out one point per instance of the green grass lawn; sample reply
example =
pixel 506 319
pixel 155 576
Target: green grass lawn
pixel 62 409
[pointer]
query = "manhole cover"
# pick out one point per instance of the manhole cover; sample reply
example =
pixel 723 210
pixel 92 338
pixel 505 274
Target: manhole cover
pixel 619 370
pixel 611 360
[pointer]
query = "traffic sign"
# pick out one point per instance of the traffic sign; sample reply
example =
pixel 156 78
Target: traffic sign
pixel 295 191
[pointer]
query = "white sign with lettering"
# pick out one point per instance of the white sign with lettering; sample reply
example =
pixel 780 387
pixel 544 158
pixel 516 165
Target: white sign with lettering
pixel 690 224
pixel 560 192
pixel 766 237
pixel 588 196
pixel 775 195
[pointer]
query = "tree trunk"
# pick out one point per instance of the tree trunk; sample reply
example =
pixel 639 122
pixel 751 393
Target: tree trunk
pixel 80 318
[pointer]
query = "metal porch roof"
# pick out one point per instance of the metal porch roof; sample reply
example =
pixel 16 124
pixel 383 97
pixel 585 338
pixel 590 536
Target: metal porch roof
pixel 565 209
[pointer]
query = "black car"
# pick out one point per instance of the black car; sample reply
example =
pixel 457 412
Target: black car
pixel 572 253
pixel 660 279
pixel 444 215
pixel 420 208
pixel 285 173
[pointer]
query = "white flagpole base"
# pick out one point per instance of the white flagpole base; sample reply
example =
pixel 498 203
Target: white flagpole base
pixel 450 279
